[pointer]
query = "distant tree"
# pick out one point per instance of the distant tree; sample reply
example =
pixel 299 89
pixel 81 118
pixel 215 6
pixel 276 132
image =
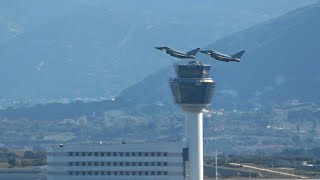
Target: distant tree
pixel 40 154
pixel 12 161
pixel 11 157
pixel 28 162
pixel 28 154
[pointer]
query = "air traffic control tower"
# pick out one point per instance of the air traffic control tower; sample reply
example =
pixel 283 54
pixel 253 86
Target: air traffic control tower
pixel 192 90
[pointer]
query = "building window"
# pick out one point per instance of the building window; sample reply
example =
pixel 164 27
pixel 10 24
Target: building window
pixel 127 164
pixel 159 173
pixel 96 163
pixel 165 164
pixel 89 163
pixel 133 164
pixel 146 154
pixel 146 164
pixel 96 154
pixel 114 154
pixel 121 154
pixel 152 173
pixel 134 173
pixel 140 163
pixel 140 173
pixel 96 173
pixel 71 173
pixel 133 154
pixel 83 154
pixel 102 172
pixel 83 173
pixel 101 163
pixel 152 154
pixel 159 164
pixel 158 154
pixel 83 163
pixel 152 163
pixel 121 163
pixel 114 163
pixel 165 154
pixel 165 173
pixel 77 163
pixel 109 163
pixel 101 154
pixel 146 173
pixel 89 173
pixel 77 173
pixel 77 154
pixel 140 154
pixel 89 154
pixel 70 154
pixel 127 154
pixel 70 163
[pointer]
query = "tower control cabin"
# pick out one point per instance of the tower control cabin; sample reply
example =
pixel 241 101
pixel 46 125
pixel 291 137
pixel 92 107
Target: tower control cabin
pixel 192 90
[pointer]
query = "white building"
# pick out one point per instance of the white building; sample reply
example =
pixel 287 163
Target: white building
pixel 158 161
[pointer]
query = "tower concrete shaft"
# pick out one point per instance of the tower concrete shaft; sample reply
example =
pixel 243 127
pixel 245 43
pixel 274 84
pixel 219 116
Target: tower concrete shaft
pixel 194 137
pixel 192 90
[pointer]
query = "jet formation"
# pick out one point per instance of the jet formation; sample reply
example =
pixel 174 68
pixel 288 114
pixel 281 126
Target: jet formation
pixel 192 54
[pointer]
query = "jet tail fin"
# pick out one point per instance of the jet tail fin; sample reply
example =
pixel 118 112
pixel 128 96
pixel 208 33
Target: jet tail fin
pixel 193 52
pixel 238 55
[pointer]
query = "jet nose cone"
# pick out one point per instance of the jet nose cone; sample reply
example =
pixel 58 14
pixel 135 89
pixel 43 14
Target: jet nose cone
pixel 160 48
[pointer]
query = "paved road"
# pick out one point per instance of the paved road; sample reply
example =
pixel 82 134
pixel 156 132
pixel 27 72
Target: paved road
pixel 269 171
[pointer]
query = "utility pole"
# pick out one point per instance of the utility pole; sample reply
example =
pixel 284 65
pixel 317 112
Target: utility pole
pixel 216 165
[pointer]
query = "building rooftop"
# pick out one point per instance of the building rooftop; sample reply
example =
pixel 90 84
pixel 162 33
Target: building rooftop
pixel 104 144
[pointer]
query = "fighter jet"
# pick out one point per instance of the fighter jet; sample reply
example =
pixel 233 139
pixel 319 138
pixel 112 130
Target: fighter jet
pixel 178 54
pixel 224 57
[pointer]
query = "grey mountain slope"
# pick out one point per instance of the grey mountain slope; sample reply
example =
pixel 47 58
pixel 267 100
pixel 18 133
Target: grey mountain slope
pixel 154 88
pixel 281 63
pixel 281 60
pixel 18 17
pixel 44 61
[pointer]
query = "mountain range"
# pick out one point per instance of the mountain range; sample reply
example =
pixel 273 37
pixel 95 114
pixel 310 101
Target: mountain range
pixel 77 49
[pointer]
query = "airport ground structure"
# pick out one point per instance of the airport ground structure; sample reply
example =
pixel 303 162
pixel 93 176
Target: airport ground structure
pixel 159 161
pixel 193 90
